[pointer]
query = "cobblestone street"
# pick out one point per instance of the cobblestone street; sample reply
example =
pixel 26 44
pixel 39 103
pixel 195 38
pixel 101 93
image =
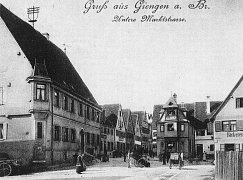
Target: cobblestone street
pixel 116 169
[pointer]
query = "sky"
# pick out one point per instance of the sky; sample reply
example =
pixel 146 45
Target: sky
pixel 141 64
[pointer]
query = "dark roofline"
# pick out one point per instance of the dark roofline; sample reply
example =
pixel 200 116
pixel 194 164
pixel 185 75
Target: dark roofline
pixel 212 118
pixel 38 49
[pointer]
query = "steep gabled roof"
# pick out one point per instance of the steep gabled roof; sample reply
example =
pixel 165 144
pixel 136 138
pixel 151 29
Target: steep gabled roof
pixel 111 113
pixel 126 115
pixel 156 115
pixel 226 99
pixel 134 120
pixel 127 120
pixel 170 103
pixel 45 56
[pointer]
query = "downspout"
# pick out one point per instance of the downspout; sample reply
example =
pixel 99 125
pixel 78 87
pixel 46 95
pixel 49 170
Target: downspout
pixel 52 122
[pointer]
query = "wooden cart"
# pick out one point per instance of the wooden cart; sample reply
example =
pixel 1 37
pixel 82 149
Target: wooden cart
pixel 176 159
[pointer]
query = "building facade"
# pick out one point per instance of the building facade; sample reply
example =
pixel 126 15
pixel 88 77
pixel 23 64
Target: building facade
pixel 129 129
pixel 113 112
pixel 144 129
pixel 137 132
pixel 228 121
pixel 175 133
pixel 47 113
pixel 107 135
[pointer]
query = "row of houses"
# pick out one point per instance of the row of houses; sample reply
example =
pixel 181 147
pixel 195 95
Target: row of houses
pixel 194 128
pixel 123 130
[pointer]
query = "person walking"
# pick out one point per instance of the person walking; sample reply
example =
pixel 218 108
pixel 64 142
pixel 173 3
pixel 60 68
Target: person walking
pixel 124 155
pixel 204 156
pixel 129 159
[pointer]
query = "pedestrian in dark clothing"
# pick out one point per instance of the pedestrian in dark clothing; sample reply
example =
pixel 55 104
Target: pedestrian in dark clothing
pixel 124 155
pixel 168 157
pixel 164 158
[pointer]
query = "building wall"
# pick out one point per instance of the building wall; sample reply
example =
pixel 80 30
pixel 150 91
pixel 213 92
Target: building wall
pixel 228 113
pixel 19 100
pixel 14 113
pixel 14 70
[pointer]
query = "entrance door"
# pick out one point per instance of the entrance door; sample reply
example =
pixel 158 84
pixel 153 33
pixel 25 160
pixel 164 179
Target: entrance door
pixel 82 140
pixel 199 150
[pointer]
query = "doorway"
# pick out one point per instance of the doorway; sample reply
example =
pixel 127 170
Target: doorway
pixel 199 150
pixel 82 139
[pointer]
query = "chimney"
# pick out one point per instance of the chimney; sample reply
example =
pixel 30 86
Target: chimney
pixel 46 35
pixel 208 105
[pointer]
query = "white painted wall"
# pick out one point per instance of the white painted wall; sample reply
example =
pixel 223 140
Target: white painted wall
pixel 14 70
pixel 229 112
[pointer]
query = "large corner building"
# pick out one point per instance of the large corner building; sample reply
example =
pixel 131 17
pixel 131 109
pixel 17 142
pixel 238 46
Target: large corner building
pixel 47 113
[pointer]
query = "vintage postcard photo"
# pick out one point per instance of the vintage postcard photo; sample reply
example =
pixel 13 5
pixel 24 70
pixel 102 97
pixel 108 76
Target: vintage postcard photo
pixel 121 89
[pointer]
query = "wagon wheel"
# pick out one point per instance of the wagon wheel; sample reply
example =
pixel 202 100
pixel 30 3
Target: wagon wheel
pixel 5 169
pixel 140 163
pixel 135 162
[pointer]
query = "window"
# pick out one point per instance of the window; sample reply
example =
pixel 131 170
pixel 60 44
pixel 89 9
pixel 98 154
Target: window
pixel 85 111
pixel 229 125
pixel 239 102
pixel 182 127
pixel 97 117
pixel 170 127
pixel 233 125
pixel 98 140
pixel 162 128
pixel 222 147
pixel 88 138
pixel 108 131
pixel 41 92
pixel 81 109
pixel 171 112
pixel 211 147
pixel 65 134
pixel 92 115
pixel 56 98
pixel 73 135
pixel 72 106
pixel 65 102
pixel 3 130
pixel 112 146
pixel 104 130
pixel 39 130
pixel 88 112
pixel 226 126
pixel 237 147
pixel 111 131
pixel 57 131
pixel 200 132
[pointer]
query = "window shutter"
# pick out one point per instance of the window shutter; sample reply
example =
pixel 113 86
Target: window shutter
pixel 239 125
pixel 210 127
pixel 218 126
